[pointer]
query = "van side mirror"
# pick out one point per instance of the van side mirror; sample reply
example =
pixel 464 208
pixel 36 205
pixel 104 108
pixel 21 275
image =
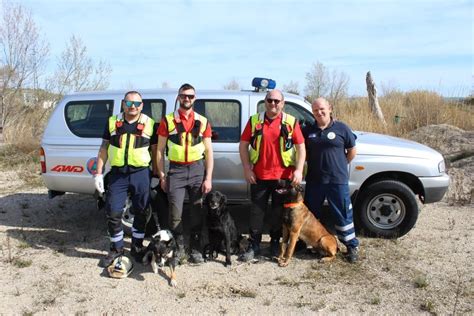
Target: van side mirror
pixel 214 135
pixel 303 123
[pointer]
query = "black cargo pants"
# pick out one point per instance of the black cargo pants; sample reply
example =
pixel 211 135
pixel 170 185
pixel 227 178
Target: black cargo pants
pixel 184 178
pixel 260 194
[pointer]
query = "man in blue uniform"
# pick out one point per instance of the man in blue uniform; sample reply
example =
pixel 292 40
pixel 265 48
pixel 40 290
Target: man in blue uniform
pixel 330 146
pixel 126 142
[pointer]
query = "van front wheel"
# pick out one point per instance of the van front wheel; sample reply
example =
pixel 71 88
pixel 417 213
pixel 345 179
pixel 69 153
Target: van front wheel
pixel 386 209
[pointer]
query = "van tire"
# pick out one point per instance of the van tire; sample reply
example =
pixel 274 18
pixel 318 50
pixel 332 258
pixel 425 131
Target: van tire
pixel 127 221
pixel 158 205
pixel 386 209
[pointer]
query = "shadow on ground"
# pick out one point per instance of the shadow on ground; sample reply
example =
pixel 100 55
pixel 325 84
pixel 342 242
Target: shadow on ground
pixel 72 225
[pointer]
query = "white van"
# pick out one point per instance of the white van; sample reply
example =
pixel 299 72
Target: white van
pixel 385 176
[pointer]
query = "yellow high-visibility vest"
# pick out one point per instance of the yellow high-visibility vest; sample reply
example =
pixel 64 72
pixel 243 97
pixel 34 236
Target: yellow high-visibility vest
pixel 287 148
pixel 185 146
pixel 130 148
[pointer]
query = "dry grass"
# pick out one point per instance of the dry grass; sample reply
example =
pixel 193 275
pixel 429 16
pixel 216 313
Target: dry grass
pixel 405 112
pixel 26 164
pixel 22 263
pixel 25 130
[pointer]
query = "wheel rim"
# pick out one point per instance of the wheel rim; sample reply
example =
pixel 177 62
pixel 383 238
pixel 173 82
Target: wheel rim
pixel 386 211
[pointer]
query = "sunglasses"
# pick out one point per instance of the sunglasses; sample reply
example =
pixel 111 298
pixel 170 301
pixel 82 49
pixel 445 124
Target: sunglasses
pixel 276 101
pixel 184 96
pixel 135 103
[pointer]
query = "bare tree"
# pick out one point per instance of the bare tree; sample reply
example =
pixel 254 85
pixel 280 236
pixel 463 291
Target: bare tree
pixel 23 53
pixel 77 71
pixel 320 82
pixel 291 87
pixel 232 85
pixel 373 101
pixel 316 82
pixel 338 85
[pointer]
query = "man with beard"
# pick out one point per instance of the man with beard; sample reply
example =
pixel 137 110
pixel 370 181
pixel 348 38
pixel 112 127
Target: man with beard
pixel 187 137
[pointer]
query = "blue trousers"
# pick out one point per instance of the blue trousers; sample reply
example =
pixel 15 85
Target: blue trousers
pixel 120 185
pixel 340 205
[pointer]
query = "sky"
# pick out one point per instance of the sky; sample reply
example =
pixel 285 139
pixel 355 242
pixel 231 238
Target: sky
pixel 406 45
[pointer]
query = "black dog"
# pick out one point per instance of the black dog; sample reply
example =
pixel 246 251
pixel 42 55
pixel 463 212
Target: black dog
pixel 221 227
pixel 160 251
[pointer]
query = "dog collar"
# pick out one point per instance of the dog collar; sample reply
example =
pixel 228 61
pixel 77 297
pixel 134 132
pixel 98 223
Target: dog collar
pixel 288 205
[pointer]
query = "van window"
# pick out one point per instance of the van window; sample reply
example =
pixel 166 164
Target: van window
pixel 88 118
pixel 303 116
pixel 154 108
pixel 224 116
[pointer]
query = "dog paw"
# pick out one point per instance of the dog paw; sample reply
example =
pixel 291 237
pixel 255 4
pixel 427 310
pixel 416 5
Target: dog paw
pixel 227 263
pixel 326 259
pixel 173 283
pixel 154 267
pixel 283 263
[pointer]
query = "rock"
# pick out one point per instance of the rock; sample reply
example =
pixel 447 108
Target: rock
pixel 448 140
pixel 457 147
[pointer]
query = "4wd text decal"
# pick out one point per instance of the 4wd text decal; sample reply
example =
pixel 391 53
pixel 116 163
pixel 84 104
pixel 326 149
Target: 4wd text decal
pixel 64 168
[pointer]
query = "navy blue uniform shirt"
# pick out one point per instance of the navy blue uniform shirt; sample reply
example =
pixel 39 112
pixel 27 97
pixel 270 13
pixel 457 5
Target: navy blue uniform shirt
pixel 325 152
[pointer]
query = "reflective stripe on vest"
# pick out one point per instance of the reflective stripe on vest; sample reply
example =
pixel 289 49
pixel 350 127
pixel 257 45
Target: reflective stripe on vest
pixel 185 146
pixel 287 148
pixel 130 148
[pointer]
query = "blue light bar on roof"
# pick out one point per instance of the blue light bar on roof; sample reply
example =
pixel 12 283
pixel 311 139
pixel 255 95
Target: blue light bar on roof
pixel 263 83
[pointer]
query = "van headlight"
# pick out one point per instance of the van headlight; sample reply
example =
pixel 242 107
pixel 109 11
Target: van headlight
pixel 442 166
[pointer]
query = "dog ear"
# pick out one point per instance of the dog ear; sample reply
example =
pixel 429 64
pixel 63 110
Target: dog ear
pixel 223 200
pixel 172 243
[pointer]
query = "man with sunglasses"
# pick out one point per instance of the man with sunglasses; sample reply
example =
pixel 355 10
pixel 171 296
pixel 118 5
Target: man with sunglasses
pixel 187 137
pixel 126 142
pixel 271 148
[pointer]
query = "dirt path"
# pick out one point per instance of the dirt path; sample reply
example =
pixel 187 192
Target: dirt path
pixel 50 250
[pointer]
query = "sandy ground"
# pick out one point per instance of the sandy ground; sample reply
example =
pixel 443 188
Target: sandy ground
pixel 50 251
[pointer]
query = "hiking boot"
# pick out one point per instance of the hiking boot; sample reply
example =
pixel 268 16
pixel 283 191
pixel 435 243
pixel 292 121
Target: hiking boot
pixel 137 252
pixel 195 257
pixel 352 254
pixel 274 247
pixel 111 255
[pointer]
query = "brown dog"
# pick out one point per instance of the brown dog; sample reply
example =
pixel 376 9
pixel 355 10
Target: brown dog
pixel 299 222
